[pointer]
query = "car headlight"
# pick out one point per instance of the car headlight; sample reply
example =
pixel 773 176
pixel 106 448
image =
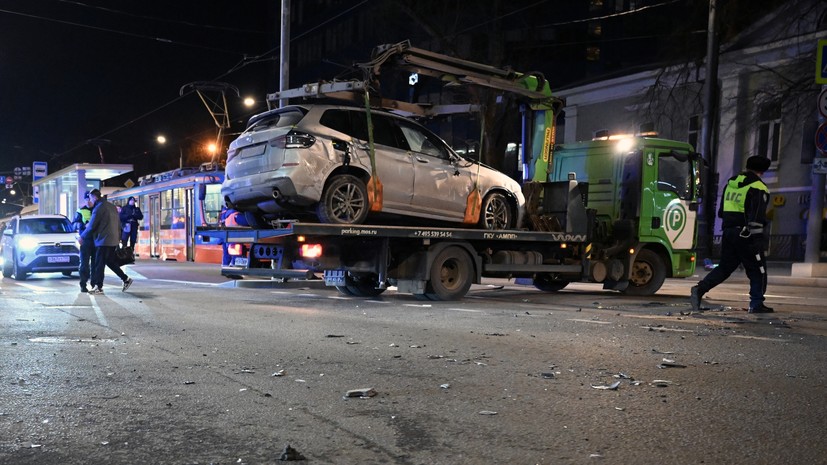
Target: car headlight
pixel 27 243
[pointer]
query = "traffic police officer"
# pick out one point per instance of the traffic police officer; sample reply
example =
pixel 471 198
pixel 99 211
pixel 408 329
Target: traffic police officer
pixel 743 211
pixel 87 248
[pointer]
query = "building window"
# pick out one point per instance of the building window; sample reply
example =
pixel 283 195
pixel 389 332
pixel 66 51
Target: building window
pixel 769 132
pixel 694 133
pixel 595 5
pixel 595 29
pixel 592 53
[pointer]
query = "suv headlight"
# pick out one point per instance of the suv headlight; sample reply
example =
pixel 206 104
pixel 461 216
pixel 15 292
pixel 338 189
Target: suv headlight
pixel 28 243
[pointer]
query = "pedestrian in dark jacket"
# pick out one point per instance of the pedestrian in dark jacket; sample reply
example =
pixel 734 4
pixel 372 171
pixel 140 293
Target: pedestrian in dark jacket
pixel 743 212
pixel 104 229
pixel 130 215
pixel 87 248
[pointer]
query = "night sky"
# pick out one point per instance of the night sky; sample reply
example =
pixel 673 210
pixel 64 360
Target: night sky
pixel 74 71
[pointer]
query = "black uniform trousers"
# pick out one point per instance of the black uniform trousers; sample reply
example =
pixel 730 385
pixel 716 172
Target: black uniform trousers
pixel 737 250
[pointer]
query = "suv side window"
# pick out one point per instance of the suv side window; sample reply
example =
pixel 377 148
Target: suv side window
pixel 355 124
pixel 423 142
pixel 337 120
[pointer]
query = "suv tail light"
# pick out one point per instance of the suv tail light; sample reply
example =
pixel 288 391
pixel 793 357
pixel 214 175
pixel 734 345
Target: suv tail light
pixel 293 140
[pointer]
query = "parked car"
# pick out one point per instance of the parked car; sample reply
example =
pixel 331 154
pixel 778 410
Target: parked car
pixel 39 244
pixel 315 158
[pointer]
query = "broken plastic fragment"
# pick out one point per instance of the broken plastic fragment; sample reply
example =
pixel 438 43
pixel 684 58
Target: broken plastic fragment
pixel 279 373
pixel 611 387
pixel 445 386
pixel 487 412
pixel 363 393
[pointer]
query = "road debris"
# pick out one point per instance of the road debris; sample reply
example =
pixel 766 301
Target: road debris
pixel 547 375
pixel 289 454
pixel 445 386
pixel 487 412
pixel 667 363
pixel 610 387
pixel 362 393
pixel 279 373
pixel 660 383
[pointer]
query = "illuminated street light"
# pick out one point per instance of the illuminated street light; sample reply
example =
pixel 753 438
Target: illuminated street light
pixel 249 102
pixel 212 148
pixel 161 139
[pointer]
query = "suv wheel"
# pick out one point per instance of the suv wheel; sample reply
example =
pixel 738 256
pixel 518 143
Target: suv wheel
pixel 344 201
pixel 19 274
pixel 495 212
pixel 7 268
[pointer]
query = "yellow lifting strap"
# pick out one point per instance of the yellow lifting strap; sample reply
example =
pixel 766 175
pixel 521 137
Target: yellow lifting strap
pixel 473 204
pixel 374 184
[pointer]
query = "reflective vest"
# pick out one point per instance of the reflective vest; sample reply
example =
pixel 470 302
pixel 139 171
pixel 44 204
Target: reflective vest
pixel 735 195
pixel 85 213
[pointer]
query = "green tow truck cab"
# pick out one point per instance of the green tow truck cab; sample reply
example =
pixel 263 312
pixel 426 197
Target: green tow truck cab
pixel 640 197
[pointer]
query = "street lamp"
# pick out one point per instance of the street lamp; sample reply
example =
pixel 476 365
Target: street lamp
pixel 249 102
pixel 161 139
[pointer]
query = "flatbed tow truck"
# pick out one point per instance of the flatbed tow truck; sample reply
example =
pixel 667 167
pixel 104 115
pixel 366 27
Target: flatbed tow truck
pixel 617 212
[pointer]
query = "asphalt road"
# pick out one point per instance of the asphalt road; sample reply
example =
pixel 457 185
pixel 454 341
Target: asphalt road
pixel 187 368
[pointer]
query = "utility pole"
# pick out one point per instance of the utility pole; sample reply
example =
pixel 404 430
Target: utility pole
pixel 284 50
pixel 709 119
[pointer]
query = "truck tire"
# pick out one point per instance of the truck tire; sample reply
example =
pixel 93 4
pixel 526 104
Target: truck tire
pixel 648 274
pixel 344 201
pixel 496 212
pixel 360 286
pixel 546 283
pixel 452 274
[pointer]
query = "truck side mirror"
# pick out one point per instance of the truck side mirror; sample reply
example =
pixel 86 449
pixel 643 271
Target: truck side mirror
pixel 202 191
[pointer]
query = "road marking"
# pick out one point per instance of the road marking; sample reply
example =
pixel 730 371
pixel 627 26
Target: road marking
pixel 591 321
pixel 760 338
pixel 36 288
pixel 98 312
pixel 469 310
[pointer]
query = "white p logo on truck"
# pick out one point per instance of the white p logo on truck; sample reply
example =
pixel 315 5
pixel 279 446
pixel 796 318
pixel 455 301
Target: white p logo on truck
pixel 679 223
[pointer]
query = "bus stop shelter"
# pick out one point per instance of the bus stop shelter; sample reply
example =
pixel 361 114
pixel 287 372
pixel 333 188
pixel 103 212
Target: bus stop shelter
pixel 58 193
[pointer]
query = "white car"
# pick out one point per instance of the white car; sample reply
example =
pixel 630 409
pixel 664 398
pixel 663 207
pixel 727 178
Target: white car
pixel 39 244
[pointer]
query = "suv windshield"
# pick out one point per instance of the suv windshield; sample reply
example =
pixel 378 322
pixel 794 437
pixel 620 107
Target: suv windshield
pixel 45 226
pixel 280 119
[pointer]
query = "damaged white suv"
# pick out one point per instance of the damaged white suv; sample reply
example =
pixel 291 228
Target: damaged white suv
pixel 314 159
pixel 39 244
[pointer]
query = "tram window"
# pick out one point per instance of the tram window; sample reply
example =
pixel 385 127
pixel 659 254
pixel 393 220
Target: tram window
pixel 166 209
pixel 179 218
pixel 212 203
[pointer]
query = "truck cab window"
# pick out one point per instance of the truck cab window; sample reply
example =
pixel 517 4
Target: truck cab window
pixel 675 175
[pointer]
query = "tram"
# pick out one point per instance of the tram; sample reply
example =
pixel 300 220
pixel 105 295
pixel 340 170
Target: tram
pixel 175 205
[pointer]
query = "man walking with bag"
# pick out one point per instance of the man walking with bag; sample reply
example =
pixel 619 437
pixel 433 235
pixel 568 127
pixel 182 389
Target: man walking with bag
pixel 104 229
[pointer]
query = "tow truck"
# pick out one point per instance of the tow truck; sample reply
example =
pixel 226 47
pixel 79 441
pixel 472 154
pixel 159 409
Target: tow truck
pixel 621 212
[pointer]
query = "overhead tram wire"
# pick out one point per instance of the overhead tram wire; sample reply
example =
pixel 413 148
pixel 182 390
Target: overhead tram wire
pixel 243 63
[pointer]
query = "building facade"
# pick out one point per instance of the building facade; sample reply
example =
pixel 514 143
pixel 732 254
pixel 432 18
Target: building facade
pixel 766 105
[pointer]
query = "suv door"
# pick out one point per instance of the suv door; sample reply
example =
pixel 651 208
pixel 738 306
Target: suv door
pixel 440 186
pixel 393 161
